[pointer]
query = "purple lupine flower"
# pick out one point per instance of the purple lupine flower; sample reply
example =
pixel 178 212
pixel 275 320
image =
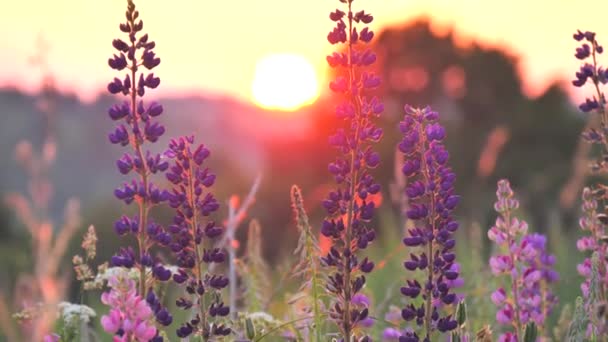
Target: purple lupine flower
pixel 430 191
pixel 136 127
pixel 528 265
pixel 192 238
pixel 592 243
pixel 350 207
pixel 589 50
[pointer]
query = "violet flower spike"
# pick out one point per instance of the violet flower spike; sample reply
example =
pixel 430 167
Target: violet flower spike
pixel 430 191
pixel 526 263
pixel 591 70
pixel 192 239
pixel 350 207
pixel 136 126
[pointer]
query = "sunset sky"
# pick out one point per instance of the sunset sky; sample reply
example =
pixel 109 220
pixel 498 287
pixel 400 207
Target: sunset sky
pixel 213 46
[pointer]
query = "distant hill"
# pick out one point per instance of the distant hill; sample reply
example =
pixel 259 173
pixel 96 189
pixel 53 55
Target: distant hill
pixel 85 168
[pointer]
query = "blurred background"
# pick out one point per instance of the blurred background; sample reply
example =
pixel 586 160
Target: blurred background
pixel 498 73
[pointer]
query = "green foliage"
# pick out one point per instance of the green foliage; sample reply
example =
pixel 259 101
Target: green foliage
pixel 460 333
pixel 530 332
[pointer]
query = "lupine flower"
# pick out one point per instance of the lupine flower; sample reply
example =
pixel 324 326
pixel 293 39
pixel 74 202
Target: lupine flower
pixel 595 286
pixel 130 318
pixel 349 207
pixel 592 243
pixel 136 125
pixel 592 71
pixel 528 265
pixel 193 203
pixel 393 316
pixel 430 191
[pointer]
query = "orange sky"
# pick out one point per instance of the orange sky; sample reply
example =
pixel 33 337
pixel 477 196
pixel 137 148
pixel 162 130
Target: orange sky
pixel 213 45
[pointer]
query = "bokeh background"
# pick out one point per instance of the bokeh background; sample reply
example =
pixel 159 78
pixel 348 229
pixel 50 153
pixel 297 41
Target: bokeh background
pixel 498 73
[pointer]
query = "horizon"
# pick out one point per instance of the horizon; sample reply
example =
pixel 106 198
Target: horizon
pixel 227 73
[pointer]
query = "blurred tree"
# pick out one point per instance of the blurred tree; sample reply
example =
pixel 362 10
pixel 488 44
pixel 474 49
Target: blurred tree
pixel 476 90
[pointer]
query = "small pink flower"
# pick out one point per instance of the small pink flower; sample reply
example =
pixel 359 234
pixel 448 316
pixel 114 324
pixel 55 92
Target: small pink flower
pixel 498 297
pixel 528 252
pixel 112 321
pixel 584 269
pixel 144 332
pixel 531 277
pixel 51 338
pixel 507 337
pixel 586 243
pixel 500 264
pixel 505 315
pixel 496 235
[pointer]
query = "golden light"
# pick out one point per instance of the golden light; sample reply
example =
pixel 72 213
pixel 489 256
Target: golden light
pixel 284 82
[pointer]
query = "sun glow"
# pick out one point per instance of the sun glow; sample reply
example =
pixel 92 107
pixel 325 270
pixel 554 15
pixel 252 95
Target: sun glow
pixel 284 82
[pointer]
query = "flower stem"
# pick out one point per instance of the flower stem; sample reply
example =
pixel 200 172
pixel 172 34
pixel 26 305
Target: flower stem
pixel 429 293
pixel 143 210
pixel 197 249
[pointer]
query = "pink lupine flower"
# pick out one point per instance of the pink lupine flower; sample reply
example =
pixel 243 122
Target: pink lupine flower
pixel 527 264
pixel 508 337
pixel 498 297
pixel 130 318
pixel 500 264
pixel 505 315
pixel 586 243
pixel 592 243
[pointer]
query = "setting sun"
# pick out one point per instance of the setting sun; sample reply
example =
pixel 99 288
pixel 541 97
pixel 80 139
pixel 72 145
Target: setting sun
pixel 284 82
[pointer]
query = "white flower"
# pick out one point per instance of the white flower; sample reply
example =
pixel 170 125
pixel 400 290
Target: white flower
pixel 70 310
pixel 262 316
pixel 113 272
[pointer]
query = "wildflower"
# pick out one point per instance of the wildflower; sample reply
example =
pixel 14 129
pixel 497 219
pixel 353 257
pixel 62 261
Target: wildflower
pixel 349 207
pixel 130 318
pixel 527 264
pixel 430 191
pixel 192 238
pixel 70 311
pixel 136 126
pixel 594 72
pixel 589 222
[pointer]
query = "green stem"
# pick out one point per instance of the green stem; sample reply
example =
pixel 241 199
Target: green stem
pixel 315 291
pixel 197 248
pixel 143 208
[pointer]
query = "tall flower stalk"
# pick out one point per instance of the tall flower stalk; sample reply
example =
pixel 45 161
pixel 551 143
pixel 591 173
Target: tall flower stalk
pixel 430 191
pixel 592 243
pixel 524 260
pixel 592 72
pixel 137 127
pixel 348 207
pixel 193 239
